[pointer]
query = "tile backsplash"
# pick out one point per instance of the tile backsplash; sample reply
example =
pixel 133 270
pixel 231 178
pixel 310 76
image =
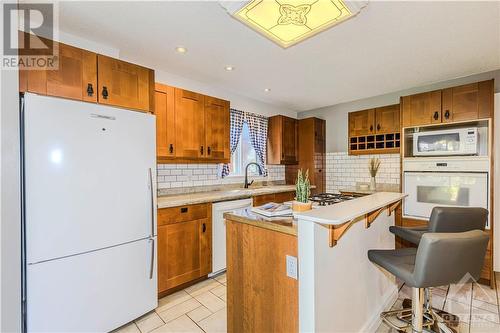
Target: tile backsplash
pixel 344 171
pixel 189 175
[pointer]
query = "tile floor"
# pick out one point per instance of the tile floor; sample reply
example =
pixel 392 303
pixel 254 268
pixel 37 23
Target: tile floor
pixel 199 308
pixel 202 308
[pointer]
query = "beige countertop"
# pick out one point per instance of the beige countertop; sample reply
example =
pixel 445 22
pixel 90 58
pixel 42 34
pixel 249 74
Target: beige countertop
pixel 349 210
pixel 366 191
pixel 216 196
pixel 286 225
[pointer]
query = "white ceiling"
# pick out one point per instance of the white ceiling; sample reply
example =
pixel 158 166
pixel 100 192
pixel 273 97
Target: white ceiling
pixel 388 47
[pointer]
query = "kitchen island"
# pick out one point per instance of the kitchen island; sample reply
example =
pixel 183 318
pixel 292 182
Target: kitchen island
pixel 337 289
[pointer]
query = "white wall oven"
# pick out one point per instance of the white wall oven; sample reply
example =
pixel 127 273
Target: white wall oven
pixel 454 183
pixel 457 141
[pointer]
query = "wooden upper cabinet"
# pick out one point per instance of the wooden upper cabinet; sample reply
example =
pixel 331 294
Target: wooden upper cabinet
pixel 468 102
pixel 165 121
pixel 189 124
pixel 290 140
pixel 362 122
pixel 74 78
pixel 217 128
pixel 124 84
pixel 387 119
pixel 282 140
pixel 421 109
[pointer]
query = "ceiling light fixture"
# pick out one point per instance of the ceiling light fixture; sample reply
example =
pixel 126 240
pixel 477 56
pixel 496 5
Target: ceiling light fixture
pixel 229 68
pixel 181 49
pixel 288 22
pixel 267 89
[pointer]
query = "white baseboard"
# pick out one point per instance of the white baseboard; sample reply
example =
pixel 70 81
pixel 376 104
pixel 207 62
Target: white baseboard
pixel 372 325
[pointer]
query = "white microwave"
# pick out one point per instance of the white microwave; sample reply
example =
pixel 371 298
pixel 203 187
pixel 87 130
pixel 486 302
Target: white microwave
pixel 458 141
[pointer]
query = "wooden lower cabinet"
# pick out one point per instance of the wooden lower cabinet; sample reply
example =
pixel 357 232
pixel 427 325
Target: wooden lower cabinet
pixel 259 200
pixel 260 295
pixel 184 245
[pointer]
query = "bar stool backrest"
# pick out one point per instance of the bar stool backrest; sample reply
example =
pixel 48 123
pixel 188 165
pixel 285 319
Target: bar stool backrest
pixel 445 258
pixel 457 219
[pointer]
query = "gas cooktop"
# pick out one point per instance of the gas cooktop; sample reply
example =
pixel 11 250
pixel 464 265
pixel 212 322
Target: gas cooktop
pixel 323 199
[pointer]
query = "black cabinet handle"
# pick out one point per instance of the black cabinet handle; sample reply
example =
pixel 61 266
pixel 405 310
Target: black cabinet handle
pixel 378 127
pixel 171 148
pixel 447 114
pixel 204 227
pixel 90 89
pixel 201 150
pixel 184 209
pixel 208 150
pixel 371 128
pixel 436 115
pixel 105 92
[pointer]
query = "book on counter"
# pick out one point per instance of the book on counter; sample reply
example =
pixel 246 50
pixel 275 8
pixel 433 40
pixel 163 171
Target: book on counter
pixel 273 209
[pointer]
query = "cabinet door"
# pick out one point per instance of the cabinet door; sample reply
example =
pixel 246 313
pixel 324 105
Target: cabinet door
pixel 217 128
pixel 422 109
pixel 189 124
pixel 74 78
pixel 182 251
pixel 124 84
pixel 387 119
pixel 165 121
pixel 362 122
pixel 468 102
pixel 289 140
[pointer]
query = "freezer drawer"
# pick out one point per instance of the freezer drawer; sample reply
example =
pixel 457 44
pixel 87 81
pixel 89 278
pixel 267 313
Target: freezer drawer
pixel 93 292
pixel 429 189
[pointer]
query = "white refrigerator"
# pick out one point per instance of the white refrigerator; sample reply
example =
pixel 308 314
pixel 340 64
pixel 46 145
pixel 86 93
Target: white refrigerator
pixel 89 225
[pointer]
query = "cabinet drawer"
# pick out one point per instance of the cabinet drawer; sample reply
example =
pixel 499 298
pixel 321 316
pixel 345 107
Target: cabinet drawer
pixel 284 197
pixel 182 214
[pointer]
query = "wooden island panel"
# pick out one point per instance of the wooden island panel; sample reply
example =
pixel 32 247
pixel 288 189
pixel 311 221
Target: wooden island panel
pixel 260 296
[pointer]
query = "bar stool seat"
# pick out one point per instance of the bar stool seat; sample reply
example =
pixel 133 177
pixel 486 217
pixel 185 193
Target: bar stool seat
pixel 400 263
pixel 411 234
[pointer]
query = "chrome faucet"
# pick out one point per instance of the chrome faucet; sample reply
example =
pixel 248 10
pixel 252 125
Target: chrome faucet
pixel 246 173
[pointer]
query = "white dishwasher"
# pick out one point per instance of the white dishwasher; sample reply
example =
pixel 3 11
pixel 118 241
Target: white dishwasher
pixel 219 231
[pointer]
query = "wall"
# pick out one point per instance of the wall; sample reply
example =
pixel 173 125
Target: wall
pixel 496 173
pixel 344 171
pixel 336 115
pixel 10 233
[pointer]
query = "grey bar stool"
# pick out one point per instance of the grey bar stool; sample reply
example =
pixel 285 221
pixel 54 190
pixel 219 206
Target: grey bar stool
pixel 440 259
pixel 445 219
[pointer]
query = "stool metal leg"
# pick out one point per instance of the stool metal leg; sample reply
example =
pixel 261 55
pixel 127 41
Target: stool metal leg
pixel 417 309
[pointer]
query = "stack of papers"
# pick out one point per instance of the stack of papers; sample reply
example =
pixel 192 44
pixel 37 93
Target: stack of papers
pixel 273 209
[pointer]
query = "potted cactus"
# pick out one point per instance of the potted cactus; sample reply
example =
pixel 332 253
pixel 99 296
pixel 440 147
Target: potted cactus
pixel 302 192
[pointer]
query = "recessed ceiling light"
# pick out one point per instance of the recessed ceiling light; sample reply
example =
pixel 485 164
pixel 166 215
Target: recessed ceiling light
pixel 229 68
pixel 267 89
pixel 287 24
pixel 181 49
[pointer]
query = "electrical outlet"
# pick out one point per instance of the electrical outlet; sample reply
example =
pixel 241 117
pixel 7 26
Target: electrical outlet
pixel 291 267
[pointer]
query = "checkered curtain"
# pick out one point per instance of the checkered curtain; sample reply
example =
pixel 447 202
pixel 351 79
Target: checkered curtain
pixel 236 118
pixel 257 125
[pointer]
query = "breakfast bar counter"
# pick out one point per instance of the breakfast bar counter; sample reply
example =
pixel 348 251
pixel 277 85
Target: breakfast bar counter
pixel 313 267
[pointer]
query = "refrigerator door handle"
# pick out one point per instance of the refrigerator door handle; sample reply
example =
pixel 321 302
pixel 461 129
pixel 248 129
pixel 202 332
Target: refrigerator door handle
pixel 152 240
pixel 152 202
